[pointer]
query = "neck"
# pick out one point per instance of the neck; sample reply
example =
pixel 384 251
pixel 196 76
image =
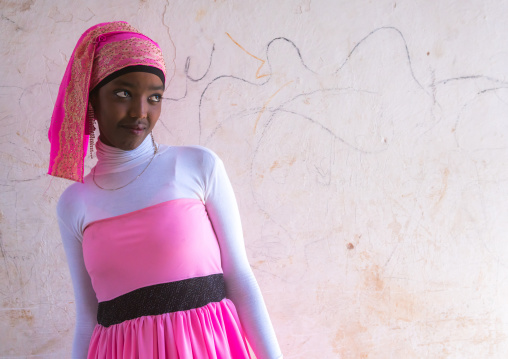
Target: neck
pixel 112 159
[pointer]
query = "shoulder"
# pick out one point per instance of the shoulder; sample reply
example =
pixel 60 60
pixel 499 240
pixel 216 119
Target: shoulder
pixel 70 202
pixel 194 155
pixel 195 151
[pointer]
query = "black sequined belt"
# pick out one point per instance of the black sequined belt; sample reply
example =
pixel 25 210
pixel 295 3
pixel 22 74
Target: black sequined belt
pixel 162 298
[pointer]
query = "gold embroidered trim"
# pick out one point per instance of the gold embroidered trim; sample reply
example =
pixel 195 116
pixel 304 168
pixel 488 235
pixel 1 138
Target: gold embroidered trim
pixel 130 52
pixel 69 162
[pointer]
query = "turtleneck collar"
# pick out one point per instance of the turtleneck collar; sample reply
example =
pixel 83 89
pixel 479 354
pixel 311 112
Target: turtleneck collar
pixel 112 159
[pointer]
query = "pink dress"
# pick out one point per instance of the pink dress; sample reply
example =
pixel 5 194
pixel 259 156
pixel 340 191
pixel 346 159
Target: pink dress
pixel 158 278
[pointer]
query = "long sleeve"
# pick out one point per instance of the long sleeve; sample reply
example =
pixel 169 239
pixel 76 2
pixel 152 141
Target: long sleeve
pixel 241 285
pixel 85 299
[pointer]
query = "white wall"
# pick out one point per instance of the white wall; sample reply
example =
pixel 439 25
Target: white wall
pixel 366 141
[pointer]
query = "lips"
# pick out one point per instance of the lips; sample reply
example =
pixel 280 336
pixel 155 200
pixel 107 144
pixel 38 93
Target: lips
pixel 136 129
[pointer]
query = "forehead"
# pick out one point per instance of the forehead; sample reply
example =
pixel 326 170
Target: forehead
pixel 137 81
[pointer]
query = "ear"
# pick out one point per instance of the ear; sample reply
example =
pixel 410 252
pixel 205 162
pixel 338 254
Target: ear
pixel 92 99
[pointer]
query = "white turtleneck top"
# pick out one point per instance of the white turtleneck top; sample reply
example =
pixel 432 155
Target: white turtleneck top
pixel 175 172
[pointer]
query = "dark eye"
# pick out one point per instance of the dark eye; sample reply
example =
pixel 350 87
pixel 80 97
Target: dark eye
pixel 122 94
pixel 155 98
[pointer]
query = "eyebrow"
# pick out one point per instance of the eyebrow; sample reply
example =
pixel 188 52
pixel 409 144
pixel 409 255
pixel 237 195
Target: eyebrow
pixel 121 82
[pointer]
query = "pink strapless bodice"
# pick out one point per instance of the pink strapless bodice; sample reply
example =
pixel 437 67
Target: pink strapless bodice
pixel 167 242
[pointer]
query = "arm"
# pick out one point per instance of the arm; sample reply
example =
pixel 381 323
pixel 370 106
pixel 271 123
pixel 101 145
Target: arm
pixel 241 285
pixel 85 299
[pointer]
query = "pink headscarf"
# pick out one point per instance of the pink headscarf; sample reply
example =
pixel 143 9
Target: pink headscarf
pixel 101 51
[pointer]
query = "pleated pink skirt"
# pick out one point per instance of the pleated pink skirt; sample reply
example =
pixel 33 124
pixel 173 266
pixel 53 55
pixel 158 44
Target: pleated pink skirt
pixel 212 331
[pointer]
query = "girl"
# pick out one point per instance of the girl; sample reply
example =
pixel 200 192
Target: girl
pixel 152 235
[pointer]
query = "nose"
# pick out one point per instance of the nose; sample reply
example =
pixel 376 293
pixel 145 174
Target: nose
pixel 138 108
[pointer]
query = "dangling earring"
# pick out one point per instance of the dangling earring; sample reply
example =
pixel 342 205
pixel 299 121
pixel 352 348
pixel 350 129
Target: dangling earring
pixel 153 143
pixel 91 127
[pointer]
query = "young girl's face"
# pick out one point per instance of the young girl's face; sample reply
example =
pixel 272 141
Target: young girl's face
pixel 127 109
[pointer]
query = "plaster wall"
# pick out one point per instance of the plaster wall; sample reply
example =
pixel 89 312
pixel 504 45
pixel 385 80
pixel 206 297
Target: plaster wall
pixel 366 142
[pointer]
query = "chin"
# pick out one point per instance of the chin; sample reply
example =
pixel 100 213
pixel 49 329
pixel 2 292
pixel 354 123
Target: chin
pixel 125 143
pixel 131 145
